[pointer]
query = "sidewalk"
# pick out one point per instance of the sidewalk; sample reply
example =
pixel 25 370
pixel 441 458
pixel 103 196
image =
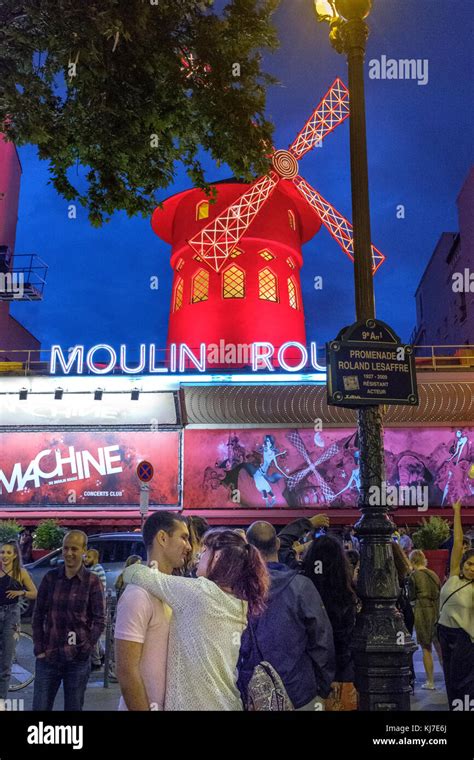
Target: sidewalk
pixel 429 701
pixel 99 699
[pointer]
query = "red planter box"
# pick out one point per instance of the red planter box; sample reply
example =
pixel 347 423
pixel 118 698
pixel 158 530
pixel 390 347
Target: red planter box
pixel 38 553
pixel 437 561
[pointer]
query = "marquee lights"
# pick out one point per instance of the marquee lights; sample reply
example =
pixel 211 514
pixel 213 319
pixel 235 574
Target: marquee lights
pixel 181 359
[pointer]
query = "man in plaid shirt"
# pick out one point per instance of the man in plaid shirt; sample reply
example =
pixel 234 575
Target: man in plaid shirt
pixel 68 619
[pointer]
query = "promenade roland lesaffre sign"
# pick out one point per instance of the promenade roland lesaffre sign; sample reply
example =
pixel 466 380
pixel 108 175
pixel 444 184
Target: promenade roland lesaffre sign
pixel 367 364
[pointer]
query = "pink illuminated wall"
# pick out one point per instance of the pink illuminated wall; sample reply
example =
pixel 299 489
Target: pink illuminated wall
pixel 231 469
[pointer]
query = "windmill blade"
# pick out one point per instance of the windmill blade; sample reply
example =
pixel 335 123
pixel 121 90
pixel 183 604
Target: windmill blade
pixel 328 454
pixel 336 224
pixel 216 241
pixel 331 112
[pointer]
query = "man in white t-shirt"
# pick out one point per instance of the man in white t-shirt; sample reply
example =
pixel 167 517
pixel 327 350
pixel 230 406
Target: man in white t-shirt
pixel 142 623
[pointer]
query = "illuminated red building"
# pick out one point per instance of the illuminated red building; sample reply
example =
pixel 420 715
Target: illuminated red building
pixel 258 285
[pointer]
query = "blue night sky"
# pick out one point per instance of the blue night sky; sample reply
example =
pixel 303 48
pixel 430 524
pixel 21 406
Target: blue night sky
pixel 419 140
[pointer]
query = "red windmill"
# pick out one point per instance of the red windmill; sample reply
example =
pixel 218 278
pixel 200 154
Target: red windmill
pixel 237 278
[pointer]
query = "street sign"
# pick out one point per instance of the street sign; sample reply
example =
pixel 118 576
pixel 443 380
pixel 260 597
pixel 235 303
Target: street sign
pixel 145 471
pixel 144 499
pixel 367 365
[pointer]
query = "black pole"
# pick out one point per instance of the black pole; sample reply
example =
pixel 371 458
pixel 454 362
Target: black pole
pixel 381 644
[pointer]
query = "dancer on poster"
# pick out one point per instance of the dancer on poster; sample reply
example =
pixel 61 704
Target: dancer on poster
pixel 263 481
pixel 458 446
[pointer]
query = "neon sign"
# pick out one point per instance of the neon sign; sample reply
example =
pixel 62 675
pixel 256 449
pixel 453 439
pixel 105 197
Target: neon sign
pixel 292 356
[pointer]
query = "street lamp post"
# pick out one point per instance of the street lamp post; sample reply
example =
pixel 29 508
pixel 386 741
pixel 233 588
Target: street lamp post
pixel 381 644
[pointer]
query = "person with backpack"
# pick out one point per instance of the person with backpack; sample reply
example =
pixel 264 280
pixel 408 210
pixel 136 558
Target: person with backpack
pixel 208 620
pixel 456 622
pixel 326 565
pixel 293 634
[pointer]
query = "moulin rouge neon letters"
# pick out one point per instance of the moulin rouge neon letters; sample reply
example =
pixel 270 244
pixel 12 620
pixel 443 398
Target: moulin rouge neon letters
pixel 263 356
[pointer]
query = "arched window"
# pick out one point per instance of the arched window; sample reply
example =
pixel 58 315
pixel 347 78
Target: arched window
pixel 200 287
pixel 178 294
pixel 202 210
pixel 267 255
pixel 233 282
pixel 291 219
pixel 292 293
pixel 290 262
pixel 267 285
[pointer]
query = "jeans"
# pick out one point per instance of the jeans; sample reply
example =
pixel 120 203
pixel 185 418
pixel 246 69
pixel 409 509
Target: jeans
pixel 9 630
pixel 74 675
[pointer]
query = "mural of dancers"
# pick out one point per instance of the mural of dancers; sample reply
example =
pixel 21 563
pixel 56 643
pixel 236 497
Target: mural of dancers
pixel 304 468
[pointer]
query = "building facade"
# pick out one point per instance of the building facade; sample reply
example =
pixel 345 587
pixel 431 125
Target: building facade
pixel 445 294
pixel 21 277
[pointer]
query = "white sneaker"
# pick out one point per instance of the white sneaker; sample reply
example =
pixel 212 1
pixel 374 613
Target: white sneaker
pixel 429 686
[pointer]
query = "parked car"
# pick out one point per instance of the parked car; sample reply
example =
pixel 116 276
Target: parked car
pixel 113 548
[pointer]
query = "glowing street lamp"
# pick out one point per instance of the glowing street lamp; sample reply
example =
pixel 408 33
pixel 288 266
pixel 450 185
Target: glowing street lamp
pixel 381 644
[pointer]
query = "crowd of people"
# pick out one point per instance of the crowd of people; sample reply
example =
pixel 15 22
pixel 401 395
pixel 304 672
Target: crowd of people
pixel 224 619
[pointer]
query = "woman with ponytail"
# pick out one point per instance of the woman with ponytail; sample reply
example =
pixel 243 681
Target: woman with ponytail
pixel 209 617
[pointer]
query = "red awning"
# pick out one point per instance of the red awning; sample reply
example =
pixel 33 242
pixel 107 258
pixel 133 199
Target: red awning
pixel 130 519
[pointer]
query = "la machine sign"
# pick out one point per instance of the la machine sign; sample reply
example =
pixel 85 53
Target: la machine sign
pixel 289 357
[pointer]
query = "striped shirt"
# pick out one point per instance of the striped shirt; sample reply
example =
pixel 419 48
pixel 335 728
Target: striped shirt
pixel 100 572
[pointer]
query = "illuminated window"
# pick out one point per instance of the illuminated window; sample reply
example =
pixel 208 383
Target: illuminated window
pixel 200 290
pixel 197 257
pixel 180 265
pixel 290 262
pixel 236 252
pixel 178 294
pixel 267 285
pixel 266 255
pixel 292 293
pixel 202 210
pixel 233 283
pixel 291 219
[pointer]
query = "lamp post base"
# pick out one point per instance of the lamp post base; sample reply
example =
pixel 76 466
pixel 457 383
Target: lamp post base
pixel 381 644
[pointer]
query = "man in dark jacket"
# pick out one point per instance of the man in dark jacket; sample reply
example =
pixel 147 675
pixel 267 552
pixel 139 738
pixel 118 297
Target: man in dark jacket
pixel 293 634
